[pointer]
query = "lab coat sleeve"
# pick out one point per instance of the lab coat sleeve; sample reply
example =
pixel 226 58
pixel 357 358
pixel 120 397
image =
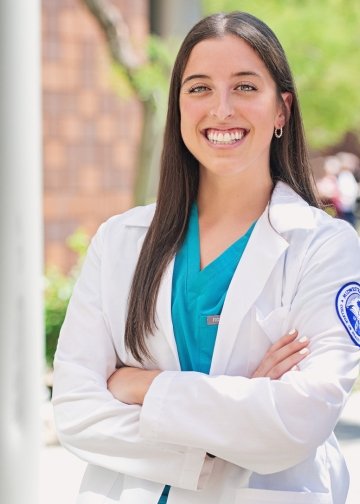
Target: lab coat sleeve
pixel 270 425
pixel 90 422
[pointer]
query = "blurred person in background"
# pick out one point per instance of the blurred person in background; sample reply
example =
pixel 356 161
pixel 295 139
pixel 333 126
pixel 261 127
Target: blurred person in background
pixel 327 186
pixel 338 188
pixel 348 188
pixel 211 340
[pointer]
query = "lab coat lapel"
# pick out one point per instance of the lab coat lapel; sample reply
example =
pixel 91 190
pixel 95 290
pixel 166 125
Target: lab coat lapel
pixel 264 249
pixel 163 302
pixel 163 311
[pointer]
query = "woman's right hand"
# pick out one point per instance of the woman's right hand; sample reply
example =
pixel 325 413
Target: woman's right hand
pixel 282 356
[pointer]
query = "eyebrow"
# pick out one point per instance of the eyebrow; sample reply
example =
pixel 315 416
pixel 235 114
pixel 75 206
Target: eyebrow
pixel 236 74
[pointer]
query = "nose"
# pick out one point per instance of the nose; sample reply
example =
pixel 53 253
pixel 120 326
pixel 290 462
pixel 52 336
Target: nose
pixel 222 107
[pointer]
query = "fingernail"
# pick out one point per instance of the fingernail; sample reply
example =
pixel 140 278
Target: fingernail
pixel 304 351
pixel 293 331
pixel 303 339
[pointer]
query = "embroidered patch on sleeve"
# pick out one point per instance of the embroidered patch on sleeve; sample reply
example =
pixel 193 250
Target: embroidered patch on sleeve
pixel 348 309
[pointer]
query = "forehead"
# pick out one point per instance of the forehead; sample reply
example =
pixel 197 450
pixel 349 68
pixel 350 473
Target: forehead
pixel 226 55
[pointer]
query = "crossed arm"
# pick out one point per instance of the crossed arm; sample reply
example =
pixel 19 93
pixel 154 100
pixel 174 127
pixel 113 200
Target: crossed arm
pixel 130 384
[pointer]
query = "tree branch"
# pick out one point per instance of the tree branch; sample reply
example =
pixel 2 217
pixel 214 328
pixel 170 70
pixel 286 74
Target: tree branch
pixel 116 31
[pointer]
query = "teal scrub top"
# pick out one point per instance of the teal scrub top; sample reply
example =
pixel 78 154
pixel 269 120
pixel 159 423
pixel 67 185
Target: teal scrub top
pixel 198 297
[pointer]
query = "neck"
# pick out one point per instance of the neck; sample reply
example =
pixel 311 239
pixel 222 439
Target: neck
pixel 244 196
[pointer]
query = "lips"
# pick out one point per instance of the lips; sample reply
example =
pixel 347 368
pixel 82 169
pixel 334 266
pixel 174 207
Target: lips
pixel 225 137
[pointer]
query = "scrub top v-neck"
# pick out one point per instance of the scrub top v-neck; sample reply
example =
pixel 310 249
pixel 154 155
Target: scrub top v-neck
pixel 198 297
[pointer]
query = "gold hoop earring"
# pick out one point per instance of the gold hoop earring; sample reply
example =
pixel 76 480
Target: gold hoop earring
pixel 278 132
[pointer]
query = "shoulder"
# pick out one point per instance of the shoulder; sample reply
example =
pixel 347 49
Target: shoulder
pixel 127 227
pixel 296 220
pixel 322 253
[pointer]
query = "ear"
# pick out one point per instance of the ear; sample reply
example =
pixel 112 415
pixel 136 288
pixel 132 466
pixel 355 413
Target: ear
pixel 285 109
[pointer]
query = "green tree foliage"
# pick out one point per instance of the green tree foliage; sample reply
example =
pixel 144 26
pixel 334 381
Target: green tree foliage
pixel 150 80
pixel 322 41
pixel 149 83
pixel 58 289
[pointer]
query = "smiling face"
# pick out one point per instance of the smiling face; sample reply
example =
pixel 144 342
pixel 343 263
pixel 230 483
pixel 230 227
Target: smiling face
pixel 229 107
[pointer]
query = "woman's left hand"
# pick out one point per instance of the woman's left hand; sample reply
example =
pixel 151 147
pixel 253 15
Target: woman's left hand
pixel 283 356
pixel 130 384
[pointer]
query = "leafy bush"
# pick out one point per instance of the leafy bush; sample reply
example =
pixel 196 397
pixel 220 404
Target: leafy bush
pixel 58 289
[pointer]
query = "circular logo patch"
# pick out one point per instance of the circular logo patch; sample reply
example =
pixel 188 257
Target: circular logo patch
pixel 348 309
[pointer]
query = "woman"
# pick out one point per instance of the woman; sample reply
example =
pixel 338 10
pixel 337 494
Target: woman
pixel 178 362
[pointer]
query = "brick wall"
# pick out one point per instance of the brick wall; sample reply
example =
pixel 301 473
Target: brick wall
pixel 91 135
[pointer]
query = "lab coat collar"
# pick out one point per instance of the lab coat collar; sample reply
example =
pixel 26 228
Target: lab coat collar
pixel 143 218
pixel 287 210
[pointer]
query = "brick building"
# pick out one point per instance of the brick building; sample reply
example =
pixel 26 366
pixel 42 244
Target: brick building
pixel 90 134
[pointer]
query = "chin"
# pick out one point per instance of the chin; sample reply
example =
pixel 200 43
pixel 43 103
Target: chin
pixel 223 169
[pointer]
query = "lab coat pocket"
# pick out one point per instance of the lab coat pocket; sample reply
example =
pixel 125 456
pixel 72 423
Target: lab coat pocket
pixel 256 496
pixel 275 324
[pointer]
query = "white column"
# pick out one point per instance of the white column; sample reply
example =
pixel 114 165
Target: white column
pixel 20 250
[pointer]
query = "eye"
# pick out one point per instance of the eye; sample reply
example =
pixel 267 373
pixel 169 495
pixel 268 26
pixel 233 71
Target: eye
pixel 246 87
pixel 197 89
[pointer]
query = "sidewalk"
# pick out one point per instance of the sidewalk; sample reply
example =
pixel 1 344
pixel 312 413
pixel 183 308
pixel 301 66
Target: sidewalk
pixel 61 472
pixel 348 434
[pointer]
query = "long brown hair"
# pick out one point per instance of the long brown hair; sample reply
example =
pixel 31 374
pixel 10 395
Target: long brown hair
pixel 179 175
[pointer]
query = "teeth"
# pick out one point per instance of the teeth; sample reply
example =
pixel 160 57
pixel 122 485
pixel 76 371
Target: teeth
pixel 218 137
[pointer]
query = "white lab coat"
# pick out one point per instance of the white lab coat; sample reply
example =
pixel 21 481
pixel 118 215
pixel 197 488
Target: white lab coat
pixel 272 439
